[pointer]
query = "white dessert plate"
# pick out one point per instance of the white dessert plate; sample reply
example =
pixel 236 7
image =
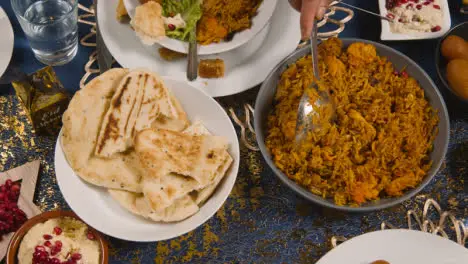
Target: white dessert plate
pixel 265 11
pixel 397 246
pixel 387 33
pixel 246 66
pixel 6 42
pixel 98 209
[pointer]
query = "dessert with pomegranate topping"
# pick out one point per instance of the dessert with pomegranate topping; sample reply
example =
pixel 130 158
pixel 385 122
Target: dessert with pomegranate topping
pixel 62 240
pixel 414 16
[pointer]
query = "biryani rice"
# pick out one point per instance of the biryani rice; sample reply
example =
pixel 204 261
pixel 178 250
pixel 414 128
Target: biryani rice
pixel 380 141
pixel 222 18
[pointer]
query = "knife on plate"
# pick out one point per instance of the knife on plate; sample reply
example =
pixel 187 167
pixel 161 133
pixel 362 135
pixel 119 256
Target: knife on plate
pixel 104 58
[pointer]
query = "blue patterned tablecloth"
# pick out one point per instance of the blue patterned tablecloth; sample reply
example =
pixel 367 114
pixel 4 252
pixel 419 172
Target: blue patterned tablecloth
pixel 262 221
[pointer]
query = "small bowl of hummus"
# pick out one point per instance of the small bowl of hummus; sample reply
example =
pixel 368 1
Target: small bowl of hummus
pixel 57 237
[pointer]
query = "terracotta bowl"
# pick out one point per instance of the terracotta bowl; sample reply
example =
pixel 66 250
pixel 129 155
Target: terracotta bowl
pixel 18 236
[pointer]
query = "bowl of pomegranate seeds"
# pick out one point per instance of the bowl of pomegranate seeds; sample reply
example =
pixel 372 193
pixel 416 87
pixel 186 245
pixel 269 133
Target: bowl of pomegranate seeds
pixel 11 217
pixel 57 237
pixel 414 19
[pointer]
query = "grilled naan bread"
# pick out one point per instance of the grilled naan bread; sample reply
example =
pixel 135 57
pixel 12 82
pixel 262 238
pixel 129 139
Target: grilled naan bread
pixel 82 120
pixel 148 22
pixel 203 194
pixel 159 107
pixel 184 201
pixel 81 124
pixel 195 159
pixel 160 172
pixel 118 126
pixel 137 204
pixel 140 100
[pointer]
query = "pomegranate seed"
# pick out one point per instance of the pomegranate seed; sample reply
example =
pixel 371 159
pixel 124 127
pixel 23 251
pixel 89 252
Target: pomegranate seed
pixel 57 230
pixel 404 74
pixel 400 20
pixel 76 256
pixel 8 183
pixel 54 251
pixel 39 248
pixel 436 6
pixel 171 27
pixel 36 255
pixel 15 187
pixel 42 255
pixel 396 73
pixel 436 28
pixel 409 6
pixel 391 16
pixel 54 261
pixel 427 3
pixel 47 244
pixel 58 244
pixel 403 1
pixel 11 217
pixel 47 237
pixel 419 7
pixel 90 236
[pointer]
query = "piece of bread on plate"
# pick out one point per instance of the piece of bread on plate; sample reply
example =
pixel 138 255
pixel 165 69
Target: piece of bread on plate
pixel 148 23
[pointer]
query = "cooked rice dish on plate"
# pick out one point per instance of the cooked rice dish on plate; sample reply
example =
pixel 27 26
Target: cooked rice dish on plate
pixel 379 142
pixel 215 20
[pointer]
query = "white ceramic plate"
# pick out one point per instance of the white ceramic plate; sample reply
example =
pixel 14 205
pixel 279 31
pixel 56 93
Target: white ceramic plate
pixel 246 66
pixel 6 41
pixel 95 206
pixel 399 246
pixel 265 11
pixel 387 34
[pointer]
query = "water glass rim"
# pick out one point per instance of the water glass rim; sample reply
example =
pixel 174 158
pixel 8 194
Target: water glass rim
pixel 21 15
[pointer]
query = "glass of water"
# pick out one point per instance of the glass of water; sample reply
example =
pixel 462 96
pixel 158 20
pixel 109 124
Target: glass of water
pixel 51 27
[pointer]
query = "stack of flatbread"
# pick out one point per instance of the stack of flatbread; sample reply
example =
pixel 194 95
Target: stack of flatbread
pixel 126 132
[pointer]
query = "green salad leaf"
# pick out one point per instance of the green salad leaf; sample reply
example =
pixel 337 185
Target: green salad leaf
pixel 191 12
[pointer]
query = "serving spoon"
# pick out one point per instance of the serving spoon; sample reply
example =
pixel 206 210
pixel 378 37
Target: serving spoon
pixel 310 111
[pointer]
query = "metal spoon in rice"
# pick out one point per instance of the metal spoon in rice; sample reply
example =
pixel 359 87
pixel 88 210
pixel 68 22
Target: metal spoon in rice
pixel 313 112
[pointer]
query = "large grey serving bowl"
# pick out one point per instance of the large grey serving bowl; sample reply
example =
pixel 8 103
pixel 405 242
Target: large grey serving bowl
pixel 265 103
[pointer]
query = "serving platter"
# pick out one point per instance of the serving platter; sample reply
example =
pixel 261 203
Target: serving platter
pixel 259 22
pixel 97 208
pixel 387 34
pixel 397 246
pixel 6 42
pixel 246 66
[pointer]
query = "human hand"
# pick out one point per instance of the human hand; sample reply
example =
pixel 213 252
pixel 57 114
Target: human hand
pixel 309 9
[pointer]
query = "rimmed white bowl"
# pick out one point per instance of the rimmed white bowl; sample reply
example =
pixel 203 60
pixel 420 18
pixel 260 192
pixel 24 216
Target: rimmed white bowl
pixel 264 13
pixel 98 209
